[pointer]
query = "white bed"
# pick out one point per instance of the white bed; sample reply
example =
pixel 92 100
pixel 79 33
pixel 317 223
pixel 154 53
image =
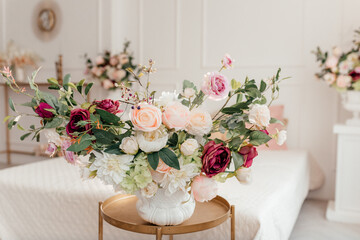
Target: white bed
pixel 48 200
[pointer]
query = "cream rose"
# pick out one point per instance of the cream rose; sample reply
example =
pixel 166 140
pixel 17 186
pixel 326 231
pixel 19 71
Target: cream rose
pixel 145 117
pixel 107 84
pixel 336 51
pixel 329 78
pixel 343 81
pixel 118 74
pixel 189 147
pixel 345 67
pixel 150 190
pixel 331 62
pixel 200 122
pixel 129 145
pixel 99 60
pixel 244 175
pixel 123 58
pixel 152 141
pixel 259 115
pixel 204 188
pixel 189 92
pixel 281 137
pixel 175 116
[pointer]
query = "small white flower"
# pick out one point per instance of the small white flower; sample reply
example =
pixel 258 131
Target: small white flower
pixel 129 145
pixel 244 175
pixel 152 141
pixel 52 136
pixel 259 115
pixel 150 190
pixel 111 168
pixel 189 147
pixel 189 92
pixel 166 97
pixel 281 137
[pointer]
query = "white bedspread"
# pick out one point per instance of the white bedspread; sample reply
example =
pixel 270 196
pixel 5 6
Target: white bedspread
pixel 48 200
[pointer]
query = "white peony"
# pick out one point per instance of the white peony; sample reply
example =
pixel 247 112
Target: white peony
pixel 52 136
pixel 259 115
pixel 329 78
pixel 129 145
pixel 150 190
pixel 200 122
pixel 345 67
pixel 111 168
pixel 166 97
pixel 189 93
pixel 281 137
pixel 189 147
pixel 244 175
pixel 152 141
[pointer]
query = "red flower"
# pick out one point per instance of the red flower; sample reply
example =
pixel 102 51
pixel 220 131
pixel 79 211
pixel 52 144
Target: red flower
pixel 76 116
pixel 42 112
pixel 215 158
pixel 109 105
pixel 355 74
pixel 249 152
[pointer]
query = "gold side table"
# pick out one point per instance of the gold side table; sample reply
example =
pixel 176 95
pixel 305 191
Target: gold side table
pixel 120 211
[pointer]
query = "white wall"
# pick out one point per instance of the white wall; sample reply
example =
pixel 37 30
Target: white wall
pixel 187 38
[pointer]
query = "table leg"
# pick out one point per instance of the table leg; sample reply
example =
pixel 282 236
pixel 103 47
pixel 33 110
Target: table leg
pixel 171 237
pixel 7 133
pixel 232 222
pixel 100 223
pixel 158 234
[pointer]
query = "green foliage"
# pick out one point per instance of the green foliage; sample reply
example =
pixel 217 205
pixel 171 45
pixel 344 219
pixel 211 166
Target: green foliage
pixel 84 143
pixel 22 138
pixel 238 160
pixel 108 117
pixel 173 140
pixel 188 84
pixel 55 122
pixel 153 159
pixel 66 81
pixel 258 138
pixel 11 104
pixel 114 149
pixel 169 158
pixel 88 87
pixel 103 137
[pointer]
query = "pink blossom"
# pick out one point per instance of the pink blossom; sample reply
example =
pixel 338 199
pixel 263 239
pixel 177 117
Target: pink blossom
pixel 69 156
pixel 204 188
pixel 107 84
pixel 216 86
pixel 51 149
pixel 227 61
pixel 99 60
pixel 114 61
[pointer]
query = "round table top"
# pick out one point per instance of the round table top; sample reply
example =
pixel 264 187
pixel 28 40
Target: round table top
pixel 120 211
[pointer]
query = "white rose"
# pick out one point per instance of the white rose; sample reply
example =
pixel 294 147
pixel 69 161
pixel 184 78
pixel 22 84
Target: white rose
pixel 329 78
pixel 152 141
pixel 281 137
pixel 166 97
pixel 343 81
pixel 259 115
pixel 345 67
pixel 331 62
pixel 52 136
pixel 200 122
pixel 129 145
pixel 336 51
pixel 189 147
pixel 244 175
pixel 189 92
pixel 150 190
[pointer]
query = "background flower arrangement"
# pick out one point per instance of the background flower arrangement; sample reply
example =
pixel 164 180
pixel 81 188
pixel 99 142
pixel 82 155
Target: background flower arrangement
pixel 340 70
pixel 111 69
pixel 169 141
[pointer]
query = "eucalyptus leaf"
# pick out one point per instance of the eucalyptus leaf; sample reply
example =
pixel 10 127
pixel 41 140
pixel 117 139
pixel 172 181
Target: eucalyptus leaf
pixel 55 122
pixel 22 138
pixel 11 104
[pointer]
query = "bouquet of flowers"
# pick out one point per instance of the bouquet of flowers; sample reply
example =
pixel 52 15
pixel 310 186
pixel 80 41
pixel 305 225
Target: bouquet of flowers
pixel 111 70
pixel 168 143
pixel 19 58
pixel 340 70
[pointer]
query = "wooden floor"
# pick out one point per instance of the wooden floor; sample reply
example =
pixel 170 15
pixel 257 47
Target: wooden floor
pixel 310 225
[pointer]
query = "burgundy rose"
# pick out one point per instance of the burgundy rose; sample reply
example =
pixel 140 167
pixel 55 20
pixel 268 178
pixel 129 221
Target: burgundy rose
pixel 42 112
pixel 109 105
pixel 355 74
pixel 215 158
pixel 249 152
pixel 76 116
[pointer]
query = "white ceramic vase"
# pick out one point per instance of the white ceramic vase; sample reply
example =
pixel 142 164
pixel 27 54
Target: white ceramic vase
pixel 166 210
pixel 351 102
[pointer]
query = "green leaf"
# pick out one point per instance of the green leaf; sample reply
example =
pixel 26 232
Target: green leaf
pixel 181 137
pixel 235 84
pixel 258 138
pixel 88 87
pixel 356 86
pixel 11 104
pixel 153 159
pixel 108 117
pixel 53 81
pixel 103 137
pixel 66 81
pixel 262 86
pixel 124 135
pixel 22 138
pixel 54 123
pixel 235 143
pixel 77 147
pixel 239 98
pixel 169 158
pixel 20 127
pixel 238 160
pixel 185 102
pixel 63 108
pixel 114 149
pixel 49 99
pixel 173 140
pixel 6 118
pixel 79 85
pixel 274 120
pixel 29 104
pixel 188 84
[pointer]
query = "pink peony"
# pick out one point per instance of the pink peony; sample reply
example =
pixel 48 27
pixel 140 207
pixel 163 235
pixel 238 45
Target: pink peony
pixel 97 71
pixel 69 156
pixel 109 105
pixel 114 61
pixel 99 60
pixel 118 74
pixel 216 86
pixel 145 117
pixel 331 62
pixel 107 84
pixel 175 116
pixel 215 158
pixel 248 152
pixel 42 112
pixel 227 61
pixel 204 188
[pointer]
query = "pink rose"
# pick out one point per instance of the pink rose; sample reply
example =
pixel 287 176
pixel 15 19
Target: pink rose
pixel 109 105
pixel 343 81
pixel 204 188
pixel 107 84
pixel 216 86
pixel 329 78
pixel 99 60
pixel 123 58
pixel 42 112
pixel 145 117
pixel 118 74
pixel 227 61
pixel 248 152
pixel 215 158
pixel 69 156
pixel 175 116
pixel 97 71
pixel 51 149
pixel 114 61
pixel 331 62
